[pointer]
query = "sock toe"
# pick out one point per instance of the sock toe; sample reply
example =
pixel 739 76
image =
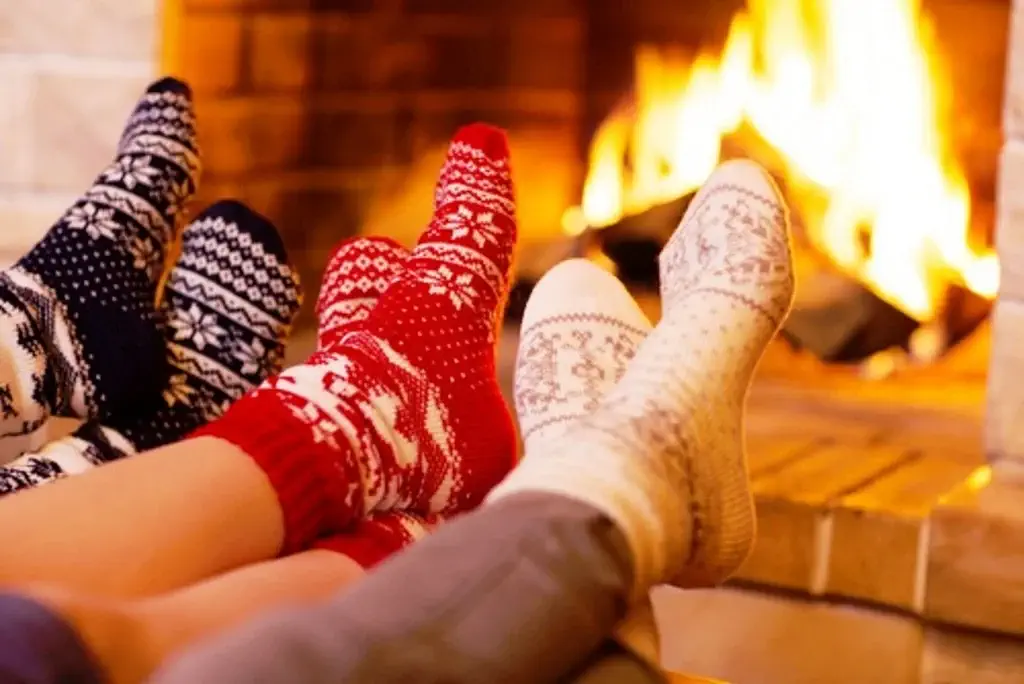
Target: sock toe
pixel 230 301
pixel 234 273
pixel 169 84
pixel 734 239
pixel 578 287
pixel 357 274
pixel 490 140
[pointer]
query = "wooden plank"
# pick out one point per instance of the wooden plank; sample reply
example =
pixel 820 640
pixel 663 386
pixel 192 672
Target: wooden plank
pixel 751 637
pixel 828 473
pixel 766 453
pixel 955 656
pixel 794 512
pixel 879 533
pixel 976 554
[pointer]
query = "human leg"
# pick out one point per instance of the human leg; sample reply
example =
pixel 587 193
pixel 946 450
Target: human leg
pixel 412 432
pixel 79 334
pixel 648 488
pixel 230 300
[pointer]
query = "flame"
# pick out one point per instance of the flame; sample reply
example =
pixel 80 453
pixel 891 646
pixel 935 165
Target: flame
pixel 846 93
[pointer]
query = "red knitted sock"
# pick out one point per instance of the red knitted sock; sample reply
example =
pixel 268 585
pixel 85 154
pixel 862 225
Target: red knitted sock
pixel 357 274
pixel 403 412
pixel 379 537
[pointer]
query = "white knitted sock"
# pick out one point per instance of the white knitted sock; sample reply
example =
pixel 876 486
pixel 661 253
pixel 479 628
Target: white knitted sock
pixel 662 455
pixel 579 331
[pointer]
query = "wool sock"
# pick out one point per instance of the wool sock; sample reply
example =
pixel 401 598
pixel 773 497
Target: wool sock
pixel 379 536
pixel 230 301
pixel 403 413
pixel 357 274
pixel 579 331
pixel 79 331
pixel 662 455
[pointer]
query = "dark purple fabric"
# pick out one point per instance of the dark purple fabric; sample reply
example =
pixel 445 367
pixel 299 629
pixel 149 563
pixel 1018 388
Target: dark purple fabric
pixel 38 647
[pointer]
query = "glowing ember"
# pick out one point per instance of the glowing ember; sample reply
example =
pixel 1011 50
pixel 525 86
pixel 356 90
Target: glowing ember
pixel 847 96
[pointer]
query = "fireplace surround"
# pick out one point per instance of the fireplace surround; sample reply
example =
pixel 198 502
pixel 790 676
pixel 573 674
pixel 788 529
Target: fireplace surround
pixel 331 117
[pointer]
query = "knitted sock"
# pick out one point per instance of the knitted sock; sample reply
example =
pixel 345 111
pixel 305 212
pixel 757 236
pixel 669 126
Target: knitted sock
pixel 357 274
pixel 405 412
pixel 230 301
pixel 662 455
pixel 579 332
pixel 379 536
pixel 79 332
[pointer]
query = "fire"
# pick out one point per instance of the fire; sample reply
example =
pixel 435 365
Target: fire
pixel 846 93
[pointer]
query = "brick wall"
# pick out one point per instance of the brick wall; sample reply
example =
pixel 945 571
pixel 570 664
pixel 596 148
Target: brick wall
pixel 331 117
pixel 70 73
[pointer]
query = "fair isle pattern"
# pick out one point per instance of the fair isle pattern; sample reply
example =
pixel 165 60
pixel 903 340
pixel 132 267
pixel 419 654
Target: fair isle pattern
pixel 357 274
pixel 662 455
pixel 89 286
pixel 580 330
pixel 23 365
pixel 91 445
pixel 230 302
pixel 566 364
pixel 223 340
pixel 403 412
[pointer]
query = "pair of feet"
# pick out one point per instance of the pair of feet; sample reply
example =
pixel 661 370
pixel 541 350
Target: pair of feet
pixel 397 418
pixel 82 334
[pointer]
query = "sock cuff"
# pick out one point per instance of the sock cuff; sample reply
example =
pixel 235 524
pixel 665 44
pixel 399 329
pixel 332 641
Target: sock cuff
pixel 310 490
pixel 602 488
pixel 365 549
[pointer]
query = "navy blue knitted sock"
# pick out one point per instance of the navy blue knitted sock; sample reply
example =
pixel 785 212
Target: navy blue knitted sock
pixel 79 331
pixel 230 301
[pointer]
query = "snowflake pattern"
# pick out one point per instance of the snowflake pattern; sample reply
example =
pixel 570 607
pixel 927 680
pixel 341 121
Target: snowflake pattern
pixel 145 254
pixel 95 221
pixel 192 324
pixel 458 288
pixel 179 391
pixel 479 227
pixel 253 355
pixel 132 171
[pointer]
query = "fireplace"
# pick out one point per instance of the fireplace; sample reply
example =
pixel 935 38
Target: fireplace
pixel 331 117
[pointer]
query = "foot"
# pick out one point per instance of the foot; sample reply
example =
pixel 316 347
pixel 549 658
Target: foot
pixel 580 330
pixel 357 274
pixel 403 413
pixel 662 455
pixel 92 344
pixel 230 301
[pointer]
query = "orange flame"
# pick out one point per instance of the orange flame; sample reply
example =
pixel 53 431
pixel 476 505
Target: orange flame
pixel 846 93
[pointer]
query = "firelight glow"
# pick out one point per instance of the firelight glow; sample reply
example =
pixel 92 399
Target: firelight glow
pixel 845 94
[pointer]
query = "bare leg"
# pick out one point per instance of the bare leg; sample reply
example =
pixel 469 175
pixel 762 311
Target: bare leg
pixel 74 637
pixel 187 616
pixel 155 522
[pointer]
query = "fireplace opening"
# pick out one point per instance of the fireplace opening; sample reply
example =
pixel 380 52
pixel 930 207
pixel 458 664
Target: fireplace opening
pixel 848 105
pixel 332 118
